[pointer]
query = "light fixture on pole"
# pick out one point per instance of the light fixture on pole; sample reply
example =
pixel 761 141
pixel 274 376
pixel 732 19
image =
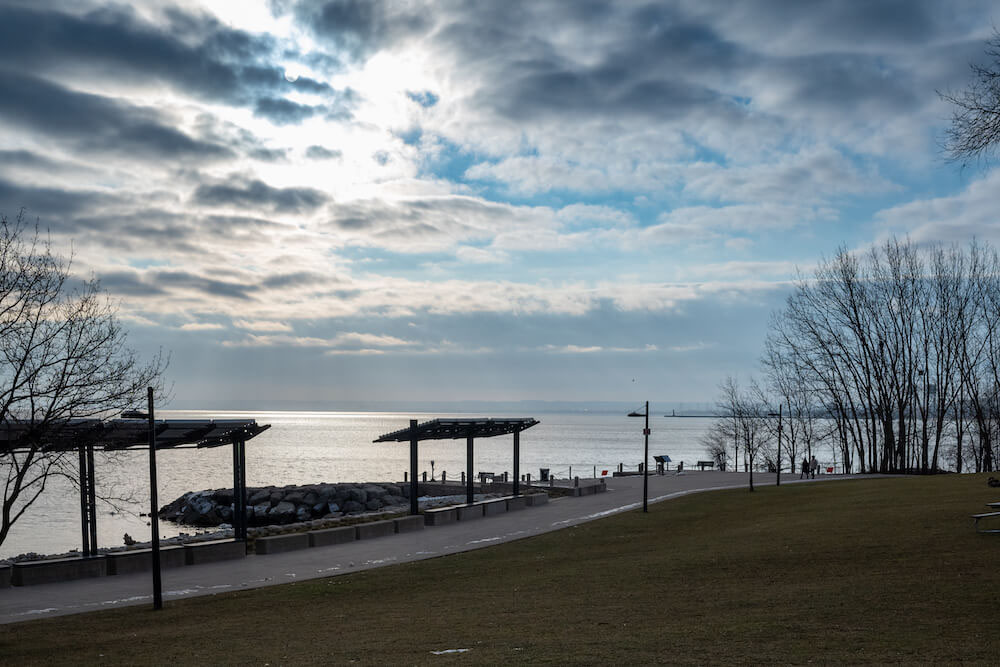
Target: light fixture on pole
pixel 777 465
pixel 645 460
pixel 154 520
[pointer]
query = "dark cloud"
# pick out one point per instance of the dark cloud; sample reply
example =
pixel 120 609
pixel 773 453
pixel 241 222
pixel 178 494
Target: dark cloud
pixel 53 206
pixel 269 154
pixel 257 193
pixel 283 112
pixel 359 28
pixel 321 153
pixel 96 123
pixel 195 53
pixel 295 279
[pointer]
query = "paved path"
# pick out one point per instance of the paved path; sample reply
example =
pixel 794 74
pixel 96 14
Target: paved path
pixel 623 494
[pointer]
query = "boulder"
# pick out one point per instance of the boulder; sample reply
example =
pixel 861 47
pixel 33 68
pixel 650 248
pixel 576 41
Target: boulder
pixel 296 497
pixel 283 512
pixel 358 495
pixel 353 507
pixel 373 505
pixel 303 513
pixel 258 496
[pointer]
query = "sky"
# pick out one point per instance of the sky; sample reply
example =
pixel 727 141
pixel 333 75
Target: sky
pixel 326 203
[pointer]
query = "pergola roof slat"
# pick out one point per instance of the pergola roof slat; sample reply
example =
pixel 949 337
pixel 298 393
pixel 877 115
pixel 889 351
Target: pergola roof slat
pixel 118 434
pixel 444 429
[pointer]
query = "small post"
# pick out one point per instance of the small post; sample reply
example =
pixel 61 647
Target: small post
pixel 595 472
pixel 570 472
pixel 529 479
pixel 576 482
pixel 154 518
pixel 425 477
pixel 463 479
pixel 621 467
pixel 405 477
pixel 444 477
pixel 645 464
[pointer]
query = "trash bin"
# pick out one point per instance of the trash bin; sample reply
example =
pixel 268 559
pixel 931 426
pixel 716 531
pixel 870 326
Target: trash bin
pixel 543 473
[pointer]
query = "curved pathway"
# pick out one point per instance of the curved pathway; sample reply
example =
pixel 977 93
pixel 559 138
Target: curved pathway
pixel 623 494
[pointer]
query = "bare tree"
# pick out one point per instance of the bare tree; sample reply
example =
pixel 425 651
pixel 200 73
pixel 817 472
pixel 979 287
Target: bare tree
pixel 975 124
pixel 63 357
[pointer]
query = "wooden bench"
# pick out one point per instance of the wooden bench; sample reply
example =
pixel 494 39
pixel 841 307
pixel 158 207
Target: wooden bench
pixel 705 464
pixel 985 515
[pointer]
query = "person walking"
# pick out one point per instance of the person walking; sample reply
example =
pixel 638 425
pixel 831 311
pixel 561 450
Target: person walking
pixel 813 466
pixel 805 468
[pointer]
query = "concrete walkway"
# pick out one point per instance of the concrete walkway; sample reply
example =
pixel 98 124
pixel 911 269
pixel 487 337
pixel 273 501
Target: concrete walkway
pixel 623 494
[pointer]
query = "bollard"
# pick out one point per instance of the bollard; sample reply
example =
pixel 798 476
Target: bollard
pixel 570 472
pixel 404 477
pixel 595 472
pixel 640 467
pixel 504 476
pixel 425 476
pixel 444 477
pixel 621 467
pixel 463 478
pixel 529 479
pixel 576 482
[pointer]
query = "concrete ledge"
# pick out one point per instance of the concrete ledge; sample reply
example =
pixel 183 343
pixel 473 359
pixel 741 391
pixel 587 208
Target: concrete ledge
pixel 30 573
pixel 197 553
pixel 5 576
pixel 440 516
pixel 366 531
pixel 467 512
pixel 536 499
pixel 276 544
pixel 141 560
pixel 408 524
pixel 328 536
pixel 494 507
pixel 516 503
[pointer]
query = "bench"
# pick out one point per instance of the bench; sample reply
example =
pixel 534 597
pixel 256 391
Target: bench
pixel 31 572
pixel 407 524
pixel 141 560
pixel 196 553
pixel 5 575
pixel 706 464
pixel 986 515
pixel 440 515
pixel 327 536
pixel 276 544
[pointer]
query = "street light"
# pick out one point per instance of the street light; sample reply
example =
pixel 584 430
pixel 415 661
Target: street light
pixel 154 521
pixel 778 462
pixel 645 461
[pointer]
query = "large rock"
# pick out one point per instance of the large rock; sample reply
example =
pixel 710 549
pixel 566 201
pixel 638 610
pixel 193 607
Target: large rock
pixel 283 512
pixel 353 507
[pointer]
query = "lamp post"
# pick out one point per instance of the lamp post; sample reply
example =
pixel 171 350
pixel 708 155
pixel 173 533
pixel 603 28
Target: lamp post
pixel 778 461
pixel 645 460
pixel 153 502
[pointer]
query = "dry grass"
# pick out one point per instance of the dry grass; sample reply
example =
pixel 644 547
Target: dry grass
pixel 848 572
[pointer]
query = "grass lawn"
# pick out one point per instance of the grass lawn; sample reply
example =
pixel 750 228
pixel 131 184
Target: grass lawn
pixel 880 570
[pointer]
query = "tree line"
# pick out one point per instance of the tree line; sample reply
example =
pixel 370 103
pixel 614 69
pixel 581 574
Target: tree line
pixel 888 359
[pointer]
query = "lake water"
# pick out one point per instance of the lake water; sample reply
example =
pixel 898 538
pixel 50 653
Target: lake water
pixel 313 447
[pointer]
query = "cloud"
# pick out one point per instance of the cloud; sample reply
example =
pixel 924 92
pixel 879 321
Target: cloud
pixel 201 326
pixel 261 325
pixel 256 193
pixel 315 152
pixel 97 124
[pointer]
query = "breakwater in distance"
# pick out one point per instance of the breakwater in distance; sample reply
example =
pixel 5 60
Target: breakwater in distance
pixel 336 447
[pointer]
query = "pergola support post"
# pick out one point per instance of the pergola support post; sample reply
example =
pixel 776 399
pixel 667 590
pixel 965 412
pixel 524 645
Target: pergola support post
pixel 517 462
pixel 92 499
pixel 84 498
pixel 414 508
pixel 243 488
pixel 469 490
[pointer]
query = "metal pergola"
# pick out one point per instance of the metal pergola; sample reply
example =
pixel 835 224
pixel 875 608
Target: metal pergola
pixel 454 429
pixel 84 436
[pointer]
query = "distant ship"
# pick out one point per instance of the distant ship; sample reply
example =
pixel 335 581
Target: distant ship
pixel 635 414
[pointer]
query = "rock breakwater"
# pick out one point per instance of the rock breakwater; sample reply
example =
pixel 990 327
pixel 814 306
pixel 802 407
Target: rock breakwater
pixel 271 505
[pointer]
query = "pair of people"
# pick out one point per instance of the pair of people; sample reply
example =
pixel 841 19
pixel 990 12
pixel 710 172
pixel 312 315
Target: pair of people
pixel 809 467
